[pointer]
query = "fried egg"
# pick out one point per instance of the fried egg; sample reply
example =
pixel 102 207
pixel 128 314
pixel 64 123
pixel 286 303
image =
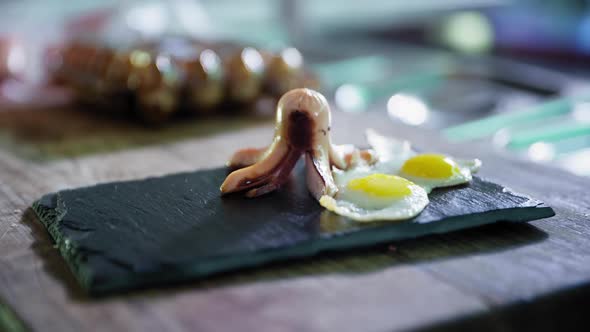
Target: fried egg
pixel 377 197
pixel 396 186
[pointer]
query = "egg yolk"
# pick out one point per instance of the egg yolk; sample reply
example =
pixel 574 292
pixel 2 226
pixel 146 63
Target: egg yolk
pixel 382 185
pixel 432 166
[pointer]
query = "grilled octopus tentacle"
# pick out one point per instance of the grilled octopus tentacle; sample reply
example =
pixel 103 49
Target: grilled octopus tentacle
pixel 246 157
pixel 258 173
pixel 302 128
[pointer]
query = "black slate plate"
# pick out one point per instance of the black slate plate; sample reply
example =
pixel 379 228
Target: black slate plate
pixel 124 235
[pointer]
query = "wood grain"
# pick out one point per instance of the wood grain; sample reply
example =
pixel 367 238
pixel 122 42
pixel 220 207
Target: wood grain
pixel 474 277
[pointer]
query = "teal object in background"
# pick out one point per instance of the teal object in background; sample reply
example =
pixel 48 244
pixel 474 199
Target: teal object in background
pixel 488 126
pixel 557 131
pixel 550 134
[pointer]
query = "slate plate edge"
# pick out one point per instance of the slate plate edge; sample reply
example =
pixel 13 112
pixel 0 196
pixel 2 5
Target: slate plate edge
pixel 47 210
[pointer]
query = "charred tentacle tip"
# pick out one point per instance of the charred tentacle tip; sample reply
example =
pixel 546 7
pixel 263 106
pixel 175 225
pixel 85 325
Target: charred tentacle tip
pixel 302 128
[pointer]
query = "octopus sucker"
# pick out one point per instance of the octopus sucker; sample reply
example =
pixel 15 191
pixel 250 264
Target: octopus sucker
pixel 302 129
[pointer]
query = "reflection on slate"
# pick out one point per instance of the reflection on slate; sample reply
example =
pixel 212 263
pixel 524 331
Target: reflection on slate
pixel 124 235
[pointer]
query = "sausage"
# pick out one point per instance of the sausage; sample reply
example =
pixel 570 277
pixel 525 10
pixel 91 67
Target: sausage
pixel 204 86
pixel 244 75
pixel 156 79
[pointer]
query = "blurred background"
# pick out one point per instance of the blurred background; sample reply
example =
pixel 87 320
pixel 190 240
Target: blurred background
pixel 512 74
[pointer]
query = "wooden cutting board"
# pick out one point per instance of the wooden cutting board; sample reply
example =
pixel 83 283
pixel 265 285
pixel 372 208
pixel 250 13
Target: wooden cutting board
pixel 501 277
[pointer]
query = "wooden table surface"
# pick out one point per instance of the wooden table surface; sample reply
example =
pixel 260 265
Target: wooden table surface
pixel 499 277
